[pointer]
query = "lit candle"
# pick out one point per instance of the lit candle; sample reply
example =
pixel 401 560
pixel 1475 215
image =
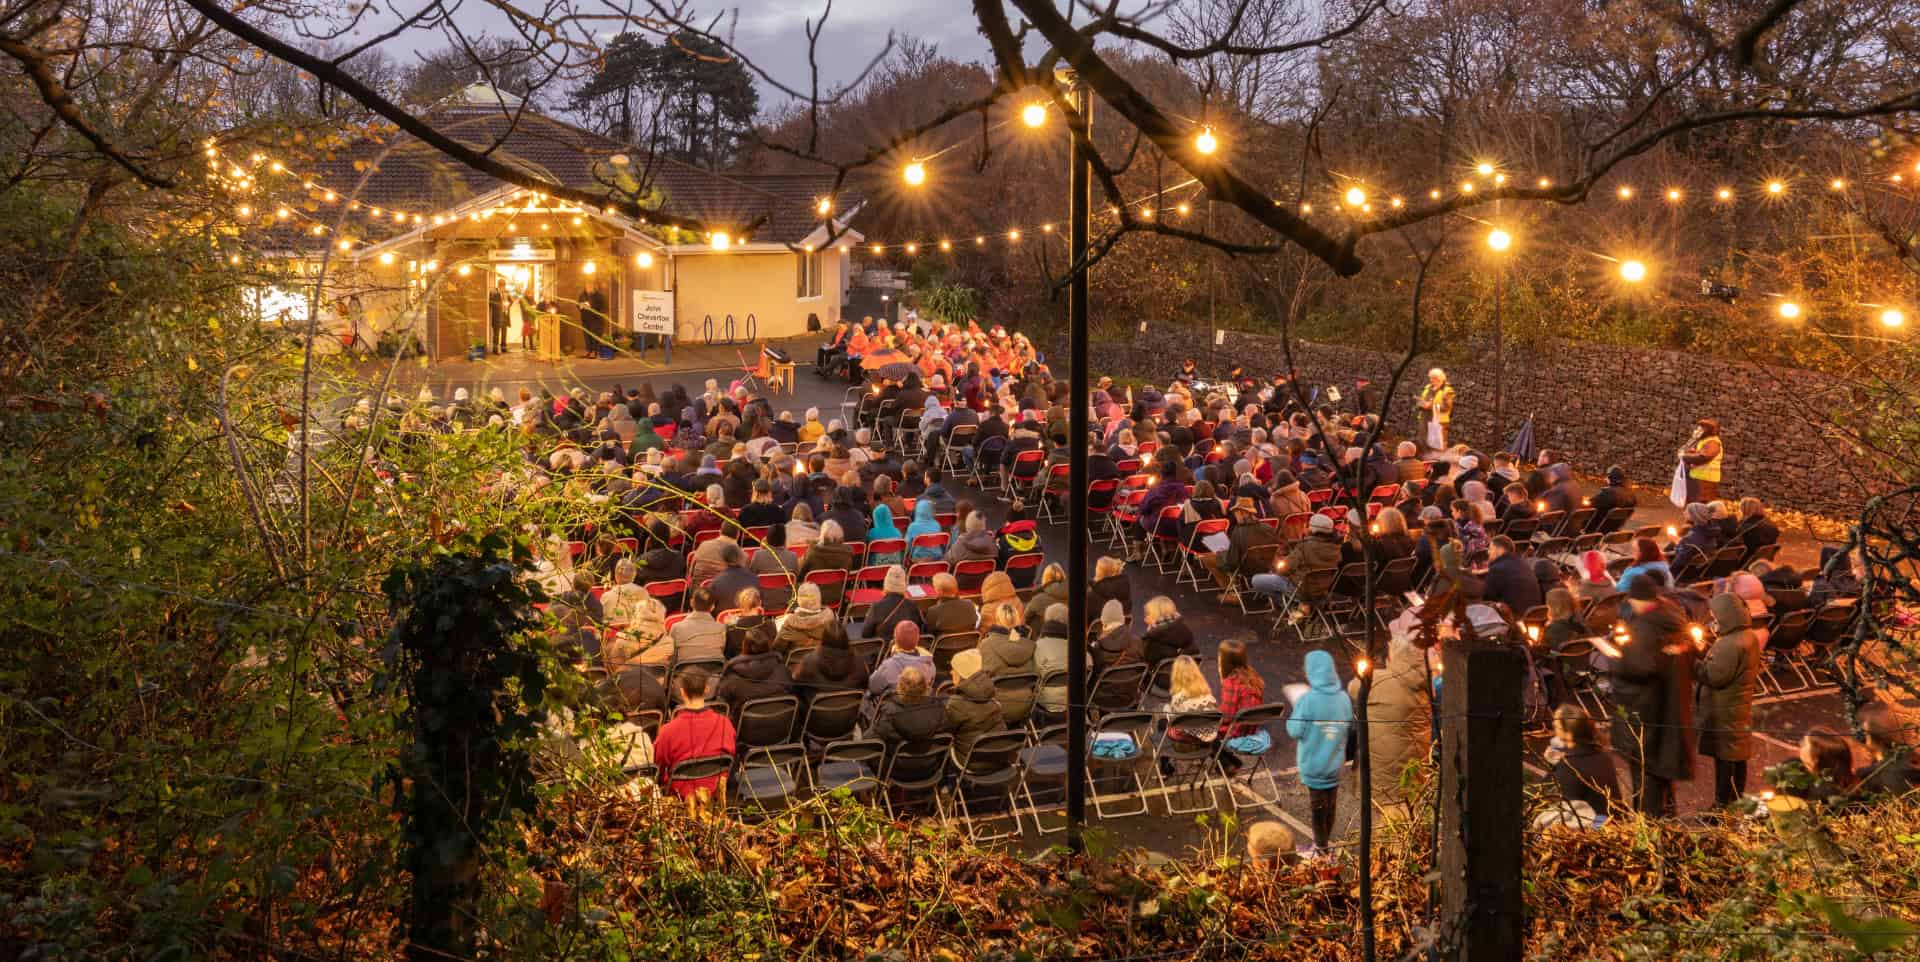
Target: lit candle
pixel 1673 532
pixel 1540 506
pixel 1362 666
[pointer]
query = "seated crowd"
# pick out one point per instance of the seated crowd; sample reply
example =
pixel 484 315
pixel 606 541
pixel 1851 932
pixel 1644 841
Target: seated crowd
pixel 756 556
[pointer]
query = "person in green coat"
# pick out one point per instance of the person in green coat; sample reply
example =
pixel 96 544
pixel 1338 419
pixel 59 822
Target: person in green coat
pixel 1723 708
pixel 645 438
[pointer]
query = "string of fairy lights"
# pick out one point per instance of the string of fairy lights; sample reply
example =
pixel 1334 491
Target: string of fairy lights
pixel 258 173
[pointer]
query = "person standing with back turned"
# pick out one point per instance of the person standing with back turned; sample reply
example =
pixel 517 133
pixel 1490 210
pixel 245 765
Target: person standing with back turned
pixel 1436 410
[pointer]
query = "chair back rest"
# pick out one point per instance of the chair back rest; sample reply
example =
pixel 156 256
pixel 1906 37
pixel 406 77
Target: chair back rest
pixel 993 753
pixel 832 714
pixel 1119 686
pixel 936 539
pixel 1021 562
pixel 920 762
pixel 1016 692
pixel 870 752
pixel 706 766
pixel 950 644
pixel 766 721
pixel 1195 724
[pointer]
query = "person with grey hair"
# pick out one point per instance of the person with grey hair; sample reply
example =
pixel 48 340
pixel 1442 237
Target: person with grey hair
pixel 975 541
pixel 623 597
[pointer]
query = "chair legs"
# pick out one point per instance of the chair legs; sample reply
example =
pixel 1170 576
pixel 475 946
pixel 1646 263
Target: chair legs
pixel 1192 776
pixel 1132 773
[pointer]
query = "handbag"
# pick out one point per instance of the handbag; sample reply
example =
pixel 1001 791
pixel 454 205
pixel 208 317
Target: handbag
pixel 1677 493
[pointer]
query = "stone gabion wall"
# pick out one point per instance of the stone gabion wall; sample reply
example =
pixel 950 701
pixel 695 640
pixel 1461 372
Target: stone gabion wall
pixel 1592 404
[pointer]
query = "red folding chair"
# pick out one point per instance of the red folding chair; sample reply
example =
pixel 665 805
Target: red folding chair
pixel 1385 494
pixel 923 572
pixel 1165 542
pixel 937 540
pixel 1053 493
pixel 1126 514
pixel 776 592
pixel 1028 562
pixel 833 586
pixel 629 545
pixel 1192 572
pixel 971 575
pixel 886 551
pixel 671 592
pixel 868 586
pixel 1100 496
pixel 576 549
pixel 1023 476
pixel 946 519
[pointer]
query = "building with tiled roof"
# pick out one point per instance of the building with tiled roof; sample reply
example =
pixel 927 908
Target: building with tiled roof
pixel 431 239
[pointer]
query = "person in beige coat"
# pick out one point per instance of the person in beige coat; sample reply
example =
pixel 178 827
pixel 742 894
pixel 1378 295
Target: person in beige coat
pixel 1399 716
pixel 1728 675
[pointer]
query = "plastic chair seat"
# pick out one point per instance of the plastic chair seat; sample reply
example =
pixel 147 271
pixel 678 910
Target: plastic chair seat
pixel 1045 761
pixel 832 775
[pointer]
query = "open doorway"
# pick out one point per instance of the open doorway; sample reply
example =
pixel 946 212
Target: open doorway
pixel 524 284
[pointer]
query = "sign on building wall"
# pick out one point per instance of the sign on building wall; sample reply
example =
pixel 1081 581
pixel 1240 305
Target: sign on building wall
pixel 653 312
pixel 522 250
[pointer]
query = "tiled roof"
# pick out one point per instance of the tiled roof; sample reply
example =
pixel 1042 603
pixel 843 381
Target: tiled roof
pixel 401 173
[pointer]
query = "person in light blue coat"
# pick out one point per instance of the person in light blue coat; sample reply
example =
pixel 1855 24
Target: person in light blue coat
pixel 924 522
pixel 1319 723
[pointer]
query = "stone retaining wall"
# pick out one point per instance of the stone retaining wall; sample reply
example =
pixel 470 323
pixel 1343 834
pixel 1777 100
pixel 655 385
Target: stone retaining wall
pixel 1592 404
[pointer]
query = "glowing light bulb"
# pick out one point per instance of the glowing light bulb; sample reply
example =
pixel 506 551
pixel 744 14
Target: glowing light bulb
pixel 1789 310
pixel 1633 271
pixel 1626 193
pixel 1484 170
pixel 878 248
pixel 1546 182
pixel 589 268
pixel 1396 203
pixel 1014 235
pixel 913 248
pixel 1673 195
pixel 386 258
pixel 979 240
pixel 1362 666
pixel 1046 228
pixel 824 207
pixel 1184 208
pixel 1146 213
pixel 1206 143
pixel 946 245
pixel 1892 317
pixel 345 244
pixel 1776 187
pixel 1356 197
pixel 1723 194
pixel 721 240
pixel 643 259
pixel 464 270
pixel 244 210
pixel 1837 184
pixel 282 214
pixel 1499 240
pixel 1466 187
pixel 1434 193
pixel 915 174
pixel 1306 208
pixel 1034 114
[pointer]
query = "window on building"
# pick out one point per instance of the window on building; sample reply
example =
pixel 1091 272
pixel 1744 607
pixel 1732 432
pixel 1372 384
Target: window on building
pixel 806 275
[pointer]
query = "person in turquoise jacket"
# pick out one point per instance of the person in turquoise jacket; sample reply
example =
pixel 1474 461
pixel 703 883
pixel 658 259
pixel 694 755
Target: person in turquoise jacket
pixel 924 522
pixel 1319 723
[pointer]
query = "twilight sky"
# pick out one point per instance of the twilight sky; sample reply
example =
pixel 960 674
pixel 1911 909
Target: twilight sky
pixel 770 32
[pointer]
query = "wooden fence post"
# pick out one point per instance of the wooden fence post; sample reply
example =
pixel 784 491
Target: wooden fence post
pixel 1482 821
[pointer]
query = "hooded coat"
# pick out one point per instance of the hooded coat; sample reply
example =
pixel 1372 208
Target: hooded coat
pixel 1399 716
pixel 883 528
pixel 829 668
pixel 1653 690
pixel 803 628
pixel 972 711
pixel 1004 652
pixel 924 522
pixel 1728 675
pixel 974 546
pixel 748 677
pixel 898 722
pixel 1168 639
pixel 1319 723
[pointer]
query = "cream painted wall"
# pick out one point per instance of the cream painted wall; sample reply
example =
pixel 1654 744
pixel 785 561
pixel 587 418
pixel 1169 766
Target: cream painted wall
pixel 742 283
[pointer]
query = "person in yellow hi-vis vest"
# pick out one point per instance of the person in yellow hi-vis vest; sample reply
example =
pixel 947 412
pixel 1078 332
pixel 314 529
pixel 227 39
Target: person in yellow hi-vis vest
pixel 1436 409
pixel 1701 457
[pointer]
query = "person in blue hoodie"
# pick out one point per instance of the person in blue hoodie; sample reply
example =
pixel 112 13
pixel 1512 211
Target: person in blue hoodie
pixel 883 529
pixel 924 523
pixel 1319 722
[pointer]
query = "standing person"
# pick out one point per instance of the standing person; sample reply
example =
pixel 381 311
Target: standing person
pixel 1319 722
pixel 1436 409
pixel 497 316
pixel 1701 457
pixel 593 318
pixel 1728 675
pixel 1653 697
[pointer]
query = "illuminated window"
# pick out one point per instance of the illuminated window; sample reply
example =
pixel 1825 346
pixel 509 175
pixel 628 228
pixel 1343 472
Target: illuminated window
pixel 806 274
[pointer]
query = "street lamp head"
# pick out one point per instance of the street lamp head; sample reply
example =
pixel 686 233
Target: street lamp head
pixel 1633 271
pixel 915 174
pixel 1499 240
pixel 1034 114
pixel 1892 317
pixel 1484 170
pixel 1206 143
pixel 1356 197
pixel 1789 310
